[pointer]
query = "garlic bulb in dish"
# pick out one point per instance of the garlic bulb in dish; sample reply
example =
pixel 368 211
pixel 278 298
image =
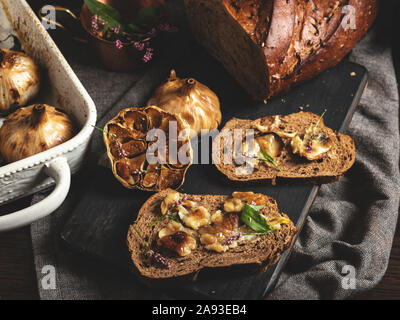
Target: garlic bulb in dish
pixel 19 80
pixel 31 130
pixel 194 102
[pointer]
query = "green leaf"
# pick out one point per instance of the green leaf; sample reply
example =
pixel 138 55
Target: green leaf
pixel 105 13
pixel 319 120
pixel 172 217
pixel 269 159
pixel 141 238
pixel 101 9
pixel 257 208
pixel 134 28
pixel 254 220
pixel 146 17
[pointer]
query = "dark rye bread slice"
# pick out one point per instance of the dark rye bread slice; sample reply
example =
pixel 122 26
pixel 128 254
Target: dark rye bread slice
pixel 261 252
pixel 329 169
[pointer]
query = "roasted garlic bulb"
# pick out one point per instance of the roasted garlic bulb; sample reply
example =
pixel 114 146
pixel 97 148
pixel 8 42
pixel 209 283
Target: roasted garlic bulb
pixel 19 80
pixel 197 105
pixel 30 130
pixel 129 148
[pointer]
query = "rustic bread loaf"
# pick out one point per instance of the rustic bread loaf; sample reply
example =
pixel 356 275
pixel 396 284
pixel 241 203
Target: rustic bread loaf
pixel 261 251
pixel 270 45
pixel 328 167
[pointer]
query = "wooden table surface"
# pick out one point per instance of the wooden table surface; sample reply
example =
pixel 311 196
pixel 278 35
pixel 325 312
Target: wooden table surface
pixel 18 278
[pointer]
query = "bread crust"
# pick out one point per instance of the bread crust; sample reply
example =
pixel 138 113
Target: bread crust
pixel 256 254
pixel 295 39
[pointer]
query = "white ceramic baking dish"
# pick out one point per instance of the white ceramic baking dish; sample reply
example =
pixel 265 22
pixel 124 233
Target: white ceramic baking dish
pixel 61 88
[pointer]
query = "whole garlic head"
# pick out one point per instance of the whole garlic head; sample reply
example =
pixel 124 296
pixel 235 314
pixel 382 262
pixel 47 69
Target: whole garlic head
pixel 30 130
pixel 194 102
pixel 19 80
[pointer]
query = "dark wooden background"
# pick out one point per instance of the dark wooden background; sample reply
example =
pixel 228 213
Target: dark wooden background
pixel 18 278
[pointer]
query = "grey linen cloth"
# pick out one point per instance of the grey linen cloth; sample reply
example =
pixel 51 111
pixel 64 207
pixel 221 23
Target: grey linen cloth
pixel 351 223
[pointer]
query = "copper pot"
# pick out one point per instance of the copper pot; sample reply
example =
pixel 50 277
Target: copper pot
pixel 126 59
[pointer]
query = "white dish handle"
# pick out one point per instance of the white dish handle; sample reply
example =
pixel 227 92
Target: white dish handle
pixel 59 170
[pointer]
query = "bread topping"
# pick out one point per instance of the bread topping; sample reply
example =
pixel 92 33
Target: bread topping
pixel 312 145
pixel 253 149
pixel 170 200
pixel 217 232
pixel 194 217
pixel 214 237
pixel 180 242
pixel 177 238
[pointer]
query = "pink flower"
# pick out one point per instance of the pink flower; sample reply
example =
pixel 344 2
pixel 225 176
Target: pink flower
pixel 152 32
pixel 95 23
pixel 119 44
pixel 167 27
pixel 138 45
pixel 148 55
pixel 159 258
pixel 117 29
pixel 233 238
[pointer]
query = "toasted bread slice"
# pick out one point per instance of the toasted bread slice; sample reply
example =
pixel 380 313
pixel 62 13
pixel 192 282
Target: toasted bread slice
pixel 254 250
pixel 328 167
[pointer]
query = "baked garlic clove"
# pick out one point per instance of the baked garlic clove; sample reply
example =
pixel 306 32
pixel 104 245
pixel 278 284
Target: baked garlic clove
pixel 271 144
pixel 155 118
pixel 252 149
pixel 137 122
pixel 171 178
pixel 19 80
pixel 151 175
pixel 129 171
pixel 31 130
pixel 197 105
pixel 313 146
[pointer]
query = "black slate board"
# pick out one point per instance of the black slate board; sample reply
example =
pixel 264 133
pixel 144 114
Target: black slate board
pixel 100 221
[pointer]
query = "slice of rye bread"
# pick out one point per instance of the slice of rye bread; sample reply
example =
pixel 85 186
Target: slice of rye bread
pixel 329 169
pixel 259 252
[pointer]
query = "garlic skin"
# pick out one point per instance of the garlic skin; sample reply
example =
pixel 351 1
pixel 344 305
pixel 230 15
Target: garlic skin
pixel 194 102
pixel 31 130
pixel 19 80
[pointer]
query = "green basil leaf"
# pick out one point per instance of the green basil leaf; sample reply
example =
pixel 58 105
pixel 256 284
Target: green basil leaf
pixel 257 208
pixel 254 220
